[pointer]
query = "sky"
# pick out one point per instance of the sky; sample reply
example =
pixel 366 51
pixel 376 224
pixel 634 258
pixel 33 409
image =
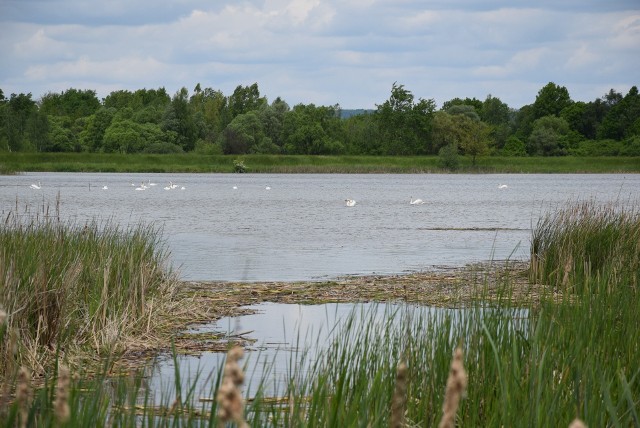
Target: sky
pixel 325 52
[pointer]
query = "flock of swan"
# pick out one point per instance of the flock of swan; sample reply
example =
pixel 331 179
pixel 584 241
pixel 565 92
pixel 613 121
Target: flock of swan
pixel 149 184
pixel 172 186
pixel 143 186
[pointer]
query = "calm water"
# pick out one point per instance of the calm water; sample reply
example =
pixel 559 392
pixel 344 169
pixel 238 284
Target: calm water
pixel 301 229
pixel 287 337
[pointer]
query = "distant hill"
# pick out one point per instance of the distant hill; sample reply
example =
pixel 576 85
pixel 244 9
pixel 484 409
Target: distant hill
pixel 347 113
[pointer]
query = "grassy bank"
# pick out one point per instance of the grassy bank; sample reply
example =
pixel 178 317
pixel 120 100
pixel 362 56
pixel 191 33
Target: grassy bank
pixel 95 162
pixel 573 352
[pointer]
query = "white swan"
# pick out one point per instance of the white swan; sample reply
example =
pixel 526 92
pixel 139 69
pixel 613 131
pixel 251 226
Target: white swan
pixel 267 188
pixel 503 186
pixel 105 188
pixel 416 201
pixel 152 184
pixel 142 187
pixel 36 186
pixel 350 202
pixel 235 187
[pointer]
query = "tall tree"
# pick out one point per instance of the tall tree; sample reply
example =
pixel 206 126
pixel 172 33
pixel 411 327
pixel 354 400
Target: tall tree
pixel 178 118
pixel 549 137
pixel 551 100
pixel 23 124
pixel 623 119
pixel 403 124
pixel 73 103
pixel 245 99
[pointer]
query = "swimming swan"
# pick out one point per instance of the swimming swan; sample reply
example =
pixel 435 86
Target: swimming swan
pixel 503 186
pixel 36 186
pixel 350 202
pixel 416 201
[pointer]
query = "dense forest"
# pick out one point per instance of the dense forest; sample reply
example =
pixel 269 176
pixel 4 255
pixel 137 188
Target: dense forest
pixel 206 121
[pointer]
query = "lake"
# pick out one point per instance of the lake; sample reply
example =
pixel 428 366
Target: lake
pixel 230 227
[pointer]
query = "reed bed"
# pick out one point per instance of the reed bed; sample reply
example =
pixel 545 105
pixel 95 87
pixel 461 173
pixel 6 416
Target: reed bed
pixel 76 291
pixel 569 361
pixel 587 242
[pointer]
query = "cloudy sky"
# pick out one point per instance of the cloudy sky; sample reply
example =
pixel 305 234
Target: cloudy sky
pixel 324 52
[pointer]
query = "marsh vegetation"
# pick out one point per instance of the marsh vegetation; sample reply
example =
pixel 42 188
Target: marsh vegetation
pixel 575 354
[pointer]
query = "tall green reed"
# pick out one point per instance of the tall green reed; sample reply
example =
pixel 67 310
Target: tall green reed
pixel 585 242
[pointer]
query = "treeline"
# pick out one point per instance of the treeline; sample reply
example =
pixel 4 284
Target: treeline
pixel 206 121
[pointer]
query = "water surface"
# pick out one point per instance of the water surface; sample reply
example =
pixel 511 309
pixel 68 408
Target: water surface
pixel 230 227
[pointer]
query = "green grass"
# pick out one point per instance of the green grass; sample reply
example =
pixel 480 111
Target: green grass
pixel 96 162
pixel 574 354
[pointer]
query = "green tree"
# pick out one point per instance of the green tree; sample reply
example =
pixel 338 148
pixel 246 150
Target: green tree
pixel 621 121
pixel 178 118
pixel 448 157
pixel 245 99
pixel 549 137
pixel 308 129
pixel 211 105
pixel 403 124
pixel 465 110
pixel 73 103
pixel 93 133
pixel 495 112
pixel 361 135
pixel 61 138
pixel 243 133
pixel 445 130
pixel 473 102
pixel 272 120
pixel 514 147
pixel 23 126
pixel 551 100
pixel 475 141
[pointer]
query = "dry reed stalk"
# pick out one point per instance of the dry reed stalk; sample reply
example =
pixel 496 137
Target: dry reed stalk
pixel 399 400
pixel 456 385
pixel 567 269
pixel 3 317
pixel 230 404
pixel 61 403
pixel 23 395
pixel 577 423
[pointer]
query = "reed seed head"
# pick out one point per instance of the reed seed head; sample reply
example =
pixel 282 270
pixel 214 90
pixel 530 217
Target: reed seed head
pixel 23 395
pixel 230 403
pixel 456 386
pixel 399 400
pixel 577 423
pixel 61 404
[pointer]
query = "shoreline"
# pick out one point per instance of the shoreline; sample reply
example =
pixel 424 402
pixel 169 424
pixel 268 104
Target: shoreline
pixel 15 163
